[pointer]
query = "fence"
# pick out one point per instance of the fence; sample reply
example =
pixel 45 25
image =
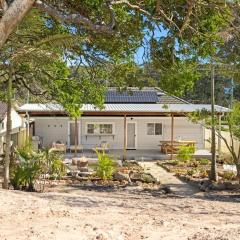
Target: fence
pixel 224 148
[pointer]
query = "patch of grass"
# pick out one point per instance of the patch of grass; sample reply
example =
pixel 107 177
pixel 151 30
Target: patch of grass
pixel 230 176
pixel 203 161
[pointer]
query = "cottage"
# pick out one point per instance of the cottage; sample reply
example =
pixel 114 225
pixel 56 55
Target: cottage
pixel 136 120
pixel 18 129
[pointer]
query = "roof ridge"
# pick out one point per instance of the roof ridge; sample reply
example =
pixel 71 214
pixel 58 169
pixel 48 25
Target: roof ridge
pixel 170 95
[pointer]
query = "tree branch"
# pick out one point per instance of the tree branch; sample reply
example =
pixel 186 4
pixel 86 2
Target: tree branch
pixel 12 17
pixel 3 6
pixel 191 4
pixel 159 10
pixel 73 18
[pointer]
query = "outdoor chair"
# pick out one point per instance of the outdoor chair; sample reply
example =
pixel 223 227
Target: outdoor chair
pixel 59 147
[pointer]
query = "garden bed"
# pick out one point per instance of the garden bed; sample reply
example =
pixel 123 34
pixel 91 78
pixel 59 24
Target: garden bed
pixel 196 172
pixel 130 174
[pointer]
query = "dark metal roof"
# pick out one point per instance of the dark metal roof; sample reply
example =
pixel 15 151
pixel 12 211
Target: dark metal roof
pixel 3 110
pixel 166 99
pixel 140 96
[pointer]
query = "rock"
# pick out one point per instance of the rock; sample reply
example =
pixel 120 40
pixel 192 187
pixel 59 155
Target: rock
pixel 85 174
pixel 232 186
pixel 166 189
pixel 148 178
pixel 218 186
pixel 205 185
pixel 118 176
pixel 75 173
pixel 135 176
pixel 53 184
pixel 82 162
pixel 83 169
pixel 74 161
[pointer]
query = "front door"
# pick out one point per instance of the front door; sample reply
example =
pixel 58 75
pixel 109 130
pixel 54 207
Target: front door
pixel 72 133
pixel 131 136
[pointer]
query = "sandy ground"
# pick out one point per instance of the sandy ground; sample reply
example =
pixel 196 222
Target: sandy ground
pixel 117 215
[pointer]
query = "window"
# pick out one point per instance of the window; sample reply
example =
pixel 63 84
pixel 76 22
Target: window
pixel 154 129
pixel 99 128
pixel 150 129
pixel 90 128
pixel 105 128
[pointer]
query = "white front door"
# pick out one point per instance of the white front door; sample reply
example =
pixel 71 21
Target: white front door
pixel 131 136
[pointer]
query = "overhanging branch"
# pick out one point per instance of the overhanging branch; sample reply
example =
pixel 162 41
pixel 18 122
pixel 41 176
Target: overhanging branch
pixel 75 18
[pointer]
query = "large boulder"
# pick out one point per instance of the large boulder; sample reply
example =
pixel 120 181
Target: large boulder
pixel 118 176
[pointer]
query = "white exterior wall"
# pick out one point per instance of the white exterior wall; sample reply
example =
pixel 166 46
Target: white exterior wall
pixel 54 129
pixel 115 141
pixel 183 128
pixel 17 122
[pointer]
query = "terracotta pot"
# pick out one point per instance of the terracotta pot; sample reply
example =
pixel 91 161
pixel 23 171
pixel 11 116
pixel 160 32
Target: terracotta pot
pixel 82 163
pixel 74 161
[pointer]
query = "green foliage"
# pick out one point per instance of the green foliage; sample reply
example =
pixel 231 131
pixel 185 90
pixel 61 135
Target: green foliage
pixel 203 161
pixel 52 164
pixel 234 120
pixel 230 176
pixel 190 172
pixel 35 165
pixel 24 174
pixel 106 166
pixel 185 153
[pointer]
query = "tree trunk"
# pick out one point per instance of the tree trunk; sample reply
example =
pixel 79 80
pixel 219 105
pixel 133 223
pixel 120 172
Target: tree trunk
pixel 8 133
pixel 12 17
pixel 238 171
pixel 213 173
pixel 75 137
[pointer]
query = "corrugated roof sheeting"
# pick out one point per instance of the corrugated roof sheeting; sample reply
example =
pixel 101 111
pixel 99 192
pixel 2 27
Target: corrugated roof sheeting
pixel 128 108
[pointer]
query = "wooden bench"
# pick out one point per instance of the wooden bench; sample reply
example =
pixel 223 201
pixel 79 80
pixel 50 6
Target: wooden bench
pixel 173 147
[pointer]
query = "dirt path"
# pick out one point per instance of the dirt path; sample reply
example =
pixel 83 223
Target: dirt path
pixel 179 187
pixel 77 214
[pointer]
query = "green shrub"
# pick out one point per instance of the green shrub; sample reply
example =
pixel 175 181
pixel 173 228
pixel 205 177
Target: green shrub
pixel 25 173
pixel 34 165
pixel 203 161
pixel 27 170
pixel 185 153
pixel 190 172
pixel 52 164
pixel 229 176
pixel 105 167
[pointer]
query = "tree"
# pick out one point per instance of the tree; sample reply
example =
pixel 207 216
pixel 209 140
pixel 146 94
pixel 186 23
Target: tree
pixel 233 122
pixel 34 63
pixel 232 119
pixel 175 35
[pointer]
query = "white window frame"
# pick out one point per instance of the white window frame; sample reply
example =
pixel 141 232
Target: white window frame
pixel 154 130
pixel 98 128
